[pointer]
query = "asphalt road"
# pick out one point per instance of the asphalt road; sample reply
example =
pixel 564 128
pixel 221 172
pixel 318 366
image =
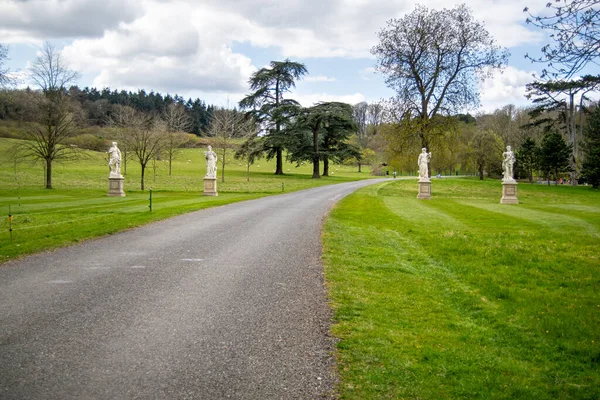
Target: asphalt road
pixel 221 303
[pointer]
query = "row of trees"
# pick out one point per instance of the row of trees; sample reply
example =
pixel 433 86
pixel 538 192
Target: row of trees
pixel 473 144
pixel 150 127
pixel 53 115
pixel 574 28
pixel 313 134
pixel 91 107
pixel 433 60
pixel 94 108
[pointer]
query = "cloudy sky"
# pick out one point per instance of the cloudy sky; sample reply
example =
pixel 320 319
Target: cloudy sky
pixel 209 48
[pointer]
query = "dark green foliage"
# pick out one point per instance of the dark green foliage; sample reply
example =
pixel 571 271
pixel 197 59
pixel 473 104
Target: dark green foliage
pixel 99 105
pixel 591 164
pixel 466 118
pixel 560 96
pixel 321 132
pixel 527 158
pixel 568 99
pixel 269 108
pixel 553 156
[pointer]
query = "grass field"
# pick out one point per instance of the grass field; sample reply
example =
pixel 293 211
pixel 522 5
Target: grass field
pixel 460 297
pixel 78 208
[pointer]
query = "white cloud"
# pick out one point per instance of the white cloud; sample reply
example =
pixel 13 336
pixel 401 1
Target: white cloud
pixel 310 99
pixel 32 21
pixel 148 54
pixel 185 46
pixel 313 28
pixel 505 88
pixel 318 78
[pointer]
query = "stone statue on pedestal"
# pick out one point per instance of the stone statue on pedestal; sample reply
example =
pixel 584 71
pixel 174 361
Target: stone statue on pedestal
pixel 423 162
pixel 114 162
pixel 509 185
pixel 211 163
pixel 508 159
pixel 115 179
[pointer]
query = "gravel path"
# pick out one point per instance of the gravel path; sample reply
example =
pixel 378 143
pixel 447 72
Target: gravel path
pixel 221 303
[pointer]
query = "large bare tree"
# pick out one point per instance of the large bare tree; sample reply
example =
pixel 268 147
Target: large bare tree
pixel 433 60
pixel 47 137
pixel 50 71
pixel 574 26
pixel 143 135
pixel 5 78
pixel 225 125
pixel 360 114
pixel 54 112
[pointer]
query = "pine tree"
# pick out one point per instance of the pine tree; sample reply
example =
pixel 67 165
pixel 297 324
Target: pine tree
pixel 591 164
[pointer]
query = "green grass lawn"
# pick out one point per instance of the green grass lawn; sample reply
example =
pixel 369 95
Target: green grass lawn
pixel 460 297
pixel 78 207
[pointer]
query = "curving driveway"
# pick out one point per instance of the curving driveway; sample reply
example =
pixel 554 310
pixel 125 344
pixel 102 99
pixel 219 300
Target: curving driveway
pixel 221 303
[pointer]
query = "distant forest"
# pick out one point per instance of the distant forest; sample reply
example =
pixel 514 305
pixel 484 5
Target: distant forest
pixel 97 105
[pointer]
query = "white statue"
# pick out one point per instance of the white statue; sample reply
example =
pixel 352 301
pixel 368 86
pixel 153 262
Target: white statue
pixel 424 159
pixel 114 162
pixel 508 159
pixel 211 163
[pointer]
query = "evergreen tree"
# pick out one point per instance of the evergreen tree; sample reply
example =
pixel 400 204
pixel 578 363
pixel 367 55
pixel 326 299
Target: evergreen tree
pixel 591 164
pixel 553 156
pixel 320 133
pixel 527 157
pixel 268 106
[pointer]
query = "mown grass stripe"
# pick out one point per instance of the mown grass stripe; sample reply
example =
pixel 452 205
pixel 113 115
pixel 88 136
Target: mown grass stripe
pixel 450 298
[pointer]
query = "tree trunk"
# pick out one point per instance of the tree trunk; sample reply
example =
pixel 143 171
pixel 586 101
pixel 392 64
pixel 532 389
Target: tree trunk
pixel 279 158
pixel 316 174
pixel 143 172
pixel 359 167
pixel 481 173
pixel 48 174
pixel 316 152
pixel 247 172
pixel 325 166
pixel 223 168
pixel 170 159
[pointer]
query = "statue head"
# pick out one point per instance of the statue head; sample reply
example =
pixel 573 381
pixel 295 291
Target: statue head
pixel 424 150
pixel 114 144
pixel 508 148
pixel 209 148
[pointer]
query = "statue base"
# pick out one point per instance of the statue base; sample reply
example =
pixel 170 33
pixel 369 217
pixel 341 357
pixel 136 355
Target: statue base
pixel 424 189
pixel 509 192
pixel 115 187
pixel 210 187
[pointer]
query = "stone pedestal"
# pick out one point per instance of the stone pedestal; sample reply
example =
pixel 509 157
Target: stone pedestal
pixel 210 187
pixel 509 192
pixel 424 189
pixel 115 186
